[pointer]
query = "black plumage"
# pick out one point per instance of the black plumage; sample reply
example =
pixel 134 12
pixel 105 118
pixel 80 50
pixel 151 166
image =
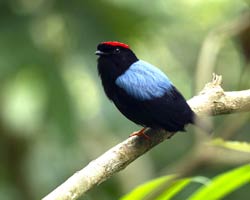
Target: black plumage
pixel 141 91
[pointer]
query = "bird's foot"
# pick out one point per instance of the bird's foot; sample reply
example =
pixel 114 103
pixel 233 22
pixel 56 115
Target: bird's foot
pixel 140 133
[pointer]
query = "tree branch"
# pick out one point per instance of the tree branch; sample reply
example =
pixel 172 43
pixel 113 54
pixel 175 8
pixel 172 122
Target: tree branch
pixel 212 100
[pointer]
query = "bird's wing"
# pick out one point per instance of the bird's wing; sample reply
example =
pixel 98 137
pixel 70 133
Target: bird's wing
pixel 160 103
pixel 144 81
pixel 170 111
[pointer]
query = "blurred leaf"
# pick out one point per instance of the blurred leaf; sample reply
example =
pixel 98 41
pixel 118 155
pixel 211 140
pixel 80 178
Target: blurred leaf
pixel 162 188
pixel 234 145
pixel 219 187
pixel 143 190
pixel 223 184
pixel 174 189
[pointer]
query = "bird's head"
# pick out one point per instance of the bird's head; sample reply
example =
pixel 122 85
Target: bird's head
pixel 111 48
pixel 116 52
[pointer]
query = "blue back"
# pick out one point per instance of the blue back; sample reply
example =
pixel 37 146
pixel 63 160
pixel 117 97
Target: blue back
pixel 144 81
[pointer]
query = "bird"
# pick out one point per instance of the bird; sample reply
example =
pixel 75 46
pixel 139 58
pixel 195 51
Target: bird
pixel 140 91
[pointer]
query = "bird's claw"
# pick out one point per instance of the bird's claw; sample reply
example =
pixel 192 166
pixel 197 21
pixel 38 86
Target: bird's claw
pixel 140 133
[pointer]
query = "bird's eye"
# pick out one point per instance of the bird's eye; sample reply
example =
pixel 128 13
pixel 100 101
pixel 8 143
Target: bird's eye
pixel 117 50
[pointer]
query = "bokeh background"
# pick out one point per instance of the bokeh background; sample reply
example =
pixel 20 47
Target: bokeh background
pixel 54 116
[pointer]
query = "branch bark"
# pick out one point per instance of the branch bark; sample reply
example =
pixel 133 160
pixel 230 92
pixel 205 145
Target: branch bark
pixel 212 100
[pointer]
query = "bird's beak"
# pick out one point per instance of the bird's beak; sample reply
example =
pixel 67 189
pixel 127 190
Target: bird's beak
pixel 99 53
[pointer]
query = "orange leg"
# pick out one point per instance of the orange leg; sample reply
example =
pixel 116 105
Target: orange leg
pixel 140 133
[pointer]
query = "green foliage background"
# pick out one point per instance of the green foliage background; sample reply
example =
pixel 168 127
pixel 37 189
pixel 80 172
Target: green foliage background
pixel 54 116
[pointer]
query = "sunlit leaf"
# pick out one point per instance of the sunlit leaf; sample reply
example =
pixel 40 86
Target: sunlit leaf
pixel 144 189
pixel 234 145
pixel 174 189
pixel 223 184
pixel 162 189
